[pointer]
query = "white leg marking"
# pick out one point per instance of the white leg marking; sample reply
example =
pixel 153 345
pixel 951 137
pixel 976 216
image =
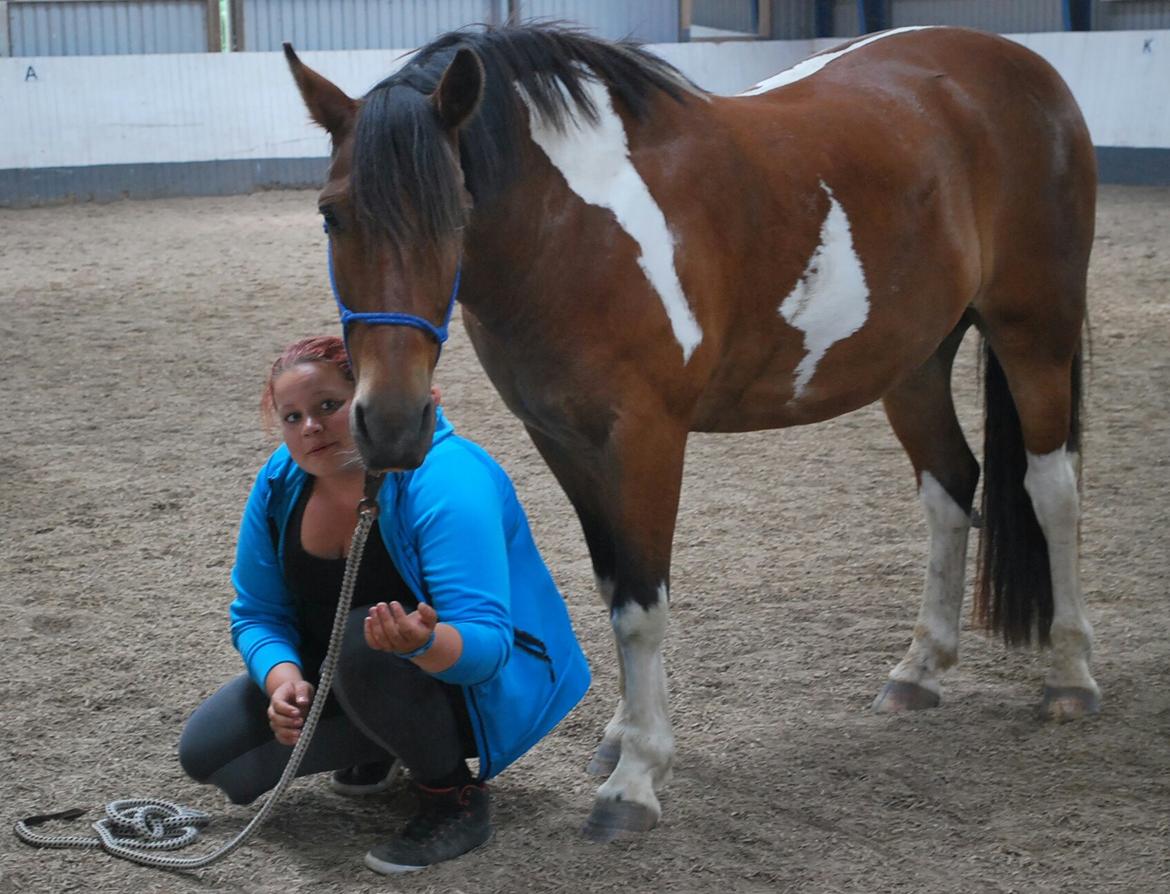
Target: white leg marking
pixel 831 300
pixel 595 162
pixel 814 64
pixel 646 737
pixel 1051 482
pixel 935 646
pixel 612 738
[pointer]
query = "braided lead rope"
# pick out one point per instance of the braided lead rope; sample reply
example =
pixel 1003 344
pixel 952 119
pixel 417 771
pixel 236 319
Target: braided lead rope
pixel 163 825
pixel 149 824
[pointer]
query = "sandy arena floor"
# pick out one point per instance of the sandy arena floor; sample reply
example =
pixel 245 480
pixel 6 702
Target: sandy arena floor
pixel 136 337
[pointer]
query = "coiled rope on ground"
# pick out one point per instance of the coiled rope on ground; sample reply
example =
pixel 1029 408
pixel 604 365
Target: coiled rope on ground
pixel 136 829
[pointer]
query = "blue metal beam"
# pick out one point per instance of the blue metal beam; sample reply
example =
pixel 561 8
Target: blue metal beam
pixel 1078 15
pixel 873 15
pixel 823 13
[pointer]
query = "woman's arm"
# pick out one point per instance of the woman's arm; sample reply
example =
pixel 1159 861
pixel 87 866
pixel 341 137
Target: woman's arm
pixel 459 520
pixel 263 618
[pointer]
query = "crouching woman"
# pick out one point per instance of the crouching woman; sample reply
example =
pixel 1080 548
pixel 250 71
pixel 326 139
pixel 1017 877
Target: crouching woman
pixel 458 645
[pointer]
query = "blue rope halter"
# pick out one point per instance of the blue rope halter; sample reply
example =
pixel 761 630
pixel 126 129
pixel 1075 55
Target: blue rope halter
pixel 438 333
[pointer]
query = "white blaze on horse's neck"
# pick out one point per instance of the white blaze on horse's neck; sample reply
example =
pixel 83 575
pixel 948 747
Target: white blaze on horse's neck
pixel 831 300
pixel 814 64
pixel 595 162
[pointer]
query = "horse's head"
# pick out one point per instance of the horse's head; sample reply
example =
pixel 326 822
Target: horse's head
pixel 394 206
pixel 472 114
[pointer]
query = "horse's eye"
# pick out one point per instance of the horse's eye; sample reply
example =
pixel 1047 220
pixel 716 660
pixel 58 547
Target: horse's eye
pixel 330 219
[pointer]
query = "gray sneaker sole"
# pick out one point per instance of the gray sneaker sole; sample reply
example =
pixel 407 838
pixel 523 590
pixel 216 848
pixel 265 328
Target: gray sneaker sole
pixel 385 868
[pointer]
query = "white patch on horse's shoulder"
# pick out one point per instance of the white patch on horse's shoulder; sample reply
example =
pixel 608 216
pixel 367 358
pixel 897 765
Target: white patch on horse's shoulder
pixel 830 301
pixel 595 162
pixel 813 64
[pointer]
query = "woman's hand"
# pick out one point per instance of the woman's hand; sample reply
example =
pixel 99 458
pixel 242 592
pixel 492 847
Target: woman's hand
pixel 389 628
pixel 287 709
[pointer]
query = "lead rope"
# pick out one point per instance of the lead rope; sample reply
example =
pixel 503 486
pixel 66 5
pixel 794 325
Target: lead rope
pixel 163 825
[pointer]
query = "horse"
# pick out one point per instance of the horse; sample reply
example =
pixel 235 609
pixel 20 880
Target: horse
pixel 638 259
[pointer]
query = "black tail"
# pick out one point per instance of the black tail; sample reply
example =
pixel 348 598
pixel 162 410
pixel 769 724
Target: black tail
pixel 1013 594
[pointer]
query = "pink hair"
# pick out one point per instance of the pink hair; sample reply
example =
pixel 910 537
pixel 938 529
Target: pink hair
pixel 313 349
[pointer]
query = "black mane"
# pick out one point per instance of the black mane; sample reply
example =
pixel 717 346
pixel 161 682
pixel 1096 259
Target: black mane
pixel 401 180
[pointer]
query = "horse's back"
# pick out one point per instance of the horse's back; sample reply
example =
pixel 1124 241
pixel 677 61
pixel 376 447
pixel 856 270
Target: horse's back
pixel 966 105
pixel 945 155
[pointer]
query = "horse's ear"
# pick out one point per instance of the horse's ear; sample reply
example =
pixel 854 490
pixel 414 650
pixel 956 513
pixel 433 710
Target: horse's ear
pixel 460 90
pixel 327 103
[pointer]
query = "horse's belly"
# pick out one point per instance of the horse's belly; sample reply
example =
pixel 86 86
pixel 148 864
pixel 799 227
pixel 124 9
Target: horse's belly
pixel 787 376
pixel 769 401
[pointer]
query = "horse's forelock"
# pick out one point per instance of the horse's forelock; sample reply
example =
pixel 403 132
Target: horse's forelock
pixel 402 179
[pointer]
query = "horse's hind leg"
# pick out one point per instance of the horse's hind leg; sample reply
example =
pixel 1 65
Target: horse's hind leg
pixel 1032 310
pixel 1031 577
pixel 1069 688
pixel 922 414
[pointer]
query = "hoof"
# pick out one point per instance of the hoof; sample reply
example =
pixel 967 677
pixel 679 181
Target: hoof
pixel 611 820
pixel 604 759
pixel 897 696
pixel 1062 703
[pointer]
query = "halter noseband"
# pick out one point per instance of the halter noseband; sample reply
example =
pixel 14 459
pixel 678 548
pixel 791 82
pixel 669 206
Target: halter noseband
pixel 438 333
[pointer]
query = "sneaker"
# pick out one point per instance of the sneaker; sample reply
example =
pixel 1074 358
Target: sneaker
pixel 365 779
pixel 450 822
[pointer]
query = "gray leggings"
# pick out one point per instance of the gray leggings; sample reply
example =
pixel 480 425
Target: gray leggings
pixel 381 706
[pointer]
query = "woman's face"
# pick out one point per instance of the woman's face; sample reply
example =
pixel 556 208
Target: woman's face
pixel 312 405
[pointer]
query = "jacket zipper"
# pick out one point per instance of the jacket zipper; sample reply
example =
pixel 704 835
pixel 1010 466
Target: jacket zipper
pixel 485 764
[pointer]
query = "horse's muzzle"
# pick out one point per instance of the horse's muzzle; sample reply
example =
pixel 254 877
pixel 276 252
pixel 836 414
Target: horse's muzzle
pixel 392 436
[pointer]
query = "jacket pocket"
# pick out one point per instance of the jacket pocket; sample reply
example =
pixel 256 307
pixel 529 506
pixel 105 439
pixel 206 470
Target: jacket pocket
pixel 532 645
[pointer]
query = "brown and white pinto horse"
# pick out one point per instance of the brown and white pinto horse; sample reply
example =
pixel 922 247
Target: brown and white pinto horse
pixel 641 259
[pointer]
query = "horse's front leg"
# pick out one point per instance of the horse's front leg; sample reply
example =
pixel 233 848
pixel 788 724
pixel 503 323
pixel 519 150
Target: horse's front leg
pixel 626 497
pixel 609 750
pixel 639 736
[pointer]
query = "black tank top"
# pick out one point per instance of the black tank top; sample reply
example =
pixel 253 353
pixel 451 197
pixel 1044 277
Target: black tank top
pixel 315 583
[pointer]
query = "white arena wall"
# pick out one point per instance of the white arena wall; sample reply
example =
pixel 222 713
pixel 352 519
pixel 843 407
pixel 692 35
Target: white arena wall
pixel 106 127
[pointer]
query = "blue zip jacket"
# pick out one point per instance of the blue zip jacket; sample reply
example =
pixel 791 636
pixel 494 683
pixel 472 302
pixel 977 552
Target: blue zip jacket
pixel 460 539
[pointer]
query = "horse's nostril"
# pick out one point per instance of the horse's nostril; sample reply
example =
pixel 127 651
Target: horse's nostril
pixel 359 421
